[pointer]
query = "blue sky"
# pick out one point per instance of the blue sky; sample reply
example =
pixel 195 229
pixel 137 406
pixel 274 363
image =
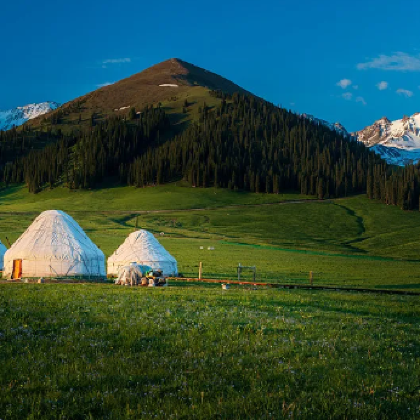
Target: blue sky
pixel 326 58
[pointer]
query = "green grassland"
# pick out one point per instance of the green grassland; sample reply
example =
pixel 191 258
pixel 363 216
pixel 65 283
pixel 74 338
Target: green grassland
pixel 100 351
pixel 347 242
pixel 176 196
pixel 189 350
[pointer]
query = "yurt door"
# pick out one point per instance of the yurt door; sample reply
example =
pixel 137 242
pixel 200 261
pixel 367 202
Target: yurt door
pixel 17 269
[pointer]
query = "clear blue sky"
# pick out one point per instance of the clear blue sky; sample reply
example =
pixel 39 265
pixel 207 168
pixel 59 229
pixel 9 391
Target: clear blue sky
pixel 291 53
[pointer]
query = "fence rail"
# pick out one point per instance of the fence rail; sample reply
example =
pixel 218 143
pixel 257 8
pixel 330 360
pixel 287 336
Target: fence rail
pixel 220 273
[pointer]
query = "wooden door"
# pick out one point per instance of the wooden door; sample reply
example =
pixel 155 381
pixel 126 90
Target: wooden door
pixel 17 269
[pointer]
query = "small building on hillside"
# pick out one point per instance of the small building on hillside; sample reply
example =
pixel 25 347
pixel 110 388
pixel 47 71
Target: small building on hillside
pixel 54 246
pixel 143 248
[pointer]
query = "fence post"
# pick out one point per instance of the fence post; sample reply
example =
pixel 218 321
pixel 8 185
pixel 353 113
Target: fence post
pixel 200 271
pixel 311 278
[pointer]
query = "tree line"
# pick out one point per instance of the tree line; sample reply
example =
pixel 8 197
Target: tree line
pixel 244 143
pixel 83 159
pixel 252 145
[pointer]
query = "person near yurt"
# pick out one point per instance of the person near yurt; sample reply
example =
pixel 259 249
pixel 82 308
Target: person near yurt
pixel 3 250
pixel 143 248
pixel 54 245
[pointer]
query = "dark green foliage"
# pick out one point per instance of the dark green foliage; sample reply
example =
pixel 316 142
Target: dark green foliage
pixel 132 114
pixel 399 186
pixel 82 161
pixel 252 145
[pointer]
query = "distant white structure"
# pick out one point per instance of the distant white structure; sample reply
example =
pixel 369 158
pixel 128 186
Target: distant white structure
pixel 54 245
pixel 143 248
pixel 3 250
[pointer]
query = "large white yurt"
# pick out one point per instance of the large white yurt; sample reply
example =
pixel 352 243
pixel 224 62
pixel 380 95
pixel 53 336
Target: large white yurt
pixel 54 245
pixel 143 248
pixel 3 250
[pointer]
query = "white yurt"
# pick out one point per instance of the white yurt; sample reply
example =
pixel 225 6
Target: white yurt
pixel 143 248
pixel 54 245
pixel 3 250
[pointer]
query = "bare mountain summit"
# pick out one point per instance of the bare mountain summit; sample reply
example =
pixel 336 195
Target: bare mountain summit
pixel 170 82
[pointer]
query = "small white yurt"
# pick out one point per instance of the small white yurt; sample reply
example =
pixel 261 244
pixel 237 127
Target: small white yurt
pixel 143 248
pixel 54 245
pixel 3 250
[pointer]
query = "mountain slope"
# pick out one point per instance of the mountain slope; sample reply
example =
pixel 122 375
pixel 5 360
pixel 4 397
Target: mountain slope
pixel 337 127
pixel 156 84
pixel 398 142
pixel 18 116
pixel 170 83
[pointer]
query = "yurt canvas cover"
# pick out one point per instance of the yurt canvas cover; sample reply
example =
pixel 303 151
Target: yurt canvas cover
pixel 3 250
pixel 54 245
pixel 143 248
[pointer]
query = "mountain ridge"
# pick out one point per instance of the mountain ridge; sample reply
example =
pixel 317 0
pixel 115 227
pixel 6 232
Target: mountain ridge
pixel 15 117
pixel 337 126
pixel 397 141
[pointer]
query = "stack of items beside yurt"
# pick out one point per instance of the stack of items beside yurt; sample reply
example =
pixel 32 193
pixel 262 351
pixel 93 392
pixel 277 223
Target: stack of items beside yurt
pixel 133 275
pixel 54 246
pixel 143 248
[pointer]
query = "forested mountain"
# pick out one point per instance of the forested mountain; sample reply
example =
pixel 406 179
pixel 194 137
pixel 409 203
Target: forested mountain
pixel 250 144
pixel 244 143
pixel 232 139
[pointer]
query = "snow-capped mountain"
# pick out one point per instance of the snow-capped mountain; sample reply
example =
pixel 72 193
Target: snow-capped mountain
pixel 398 142
pixel 21 114
pixel 332 126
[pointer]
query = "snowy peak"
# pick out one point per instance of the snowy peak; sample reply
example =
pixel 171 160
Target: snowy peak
pixel 397 141
pixel 18 116
pixel 332 126
pixel 403 133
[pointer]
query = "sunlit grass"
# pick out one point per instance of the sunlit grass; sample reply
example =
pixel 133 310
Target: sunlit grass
pixel 90 351
pixel 346 242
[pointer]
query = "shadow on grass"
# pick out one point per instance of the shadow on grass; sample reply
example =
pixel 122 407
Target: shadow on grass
pixel 398 286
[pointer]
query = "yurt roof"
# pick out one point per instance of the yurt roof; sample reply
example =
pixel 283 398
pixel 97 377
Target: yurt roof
pixel 54 235
pixel 141 246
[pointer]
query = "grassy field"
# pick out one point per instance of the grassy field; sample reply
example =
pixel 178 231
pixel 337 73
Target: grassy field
pixel 175 196
pixel 348 242
pixel 195 351
pixel 96 351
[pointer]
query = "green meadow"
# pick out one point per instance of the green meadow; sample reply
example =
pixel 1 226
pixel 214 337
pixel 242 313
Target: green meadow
pixel 349 242
pixel 188 351
pixel 99 351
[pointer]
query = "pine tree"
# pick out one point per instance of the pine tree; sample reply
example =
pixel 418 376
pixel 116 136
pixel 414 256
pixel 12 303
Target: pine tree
pixel 132 114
